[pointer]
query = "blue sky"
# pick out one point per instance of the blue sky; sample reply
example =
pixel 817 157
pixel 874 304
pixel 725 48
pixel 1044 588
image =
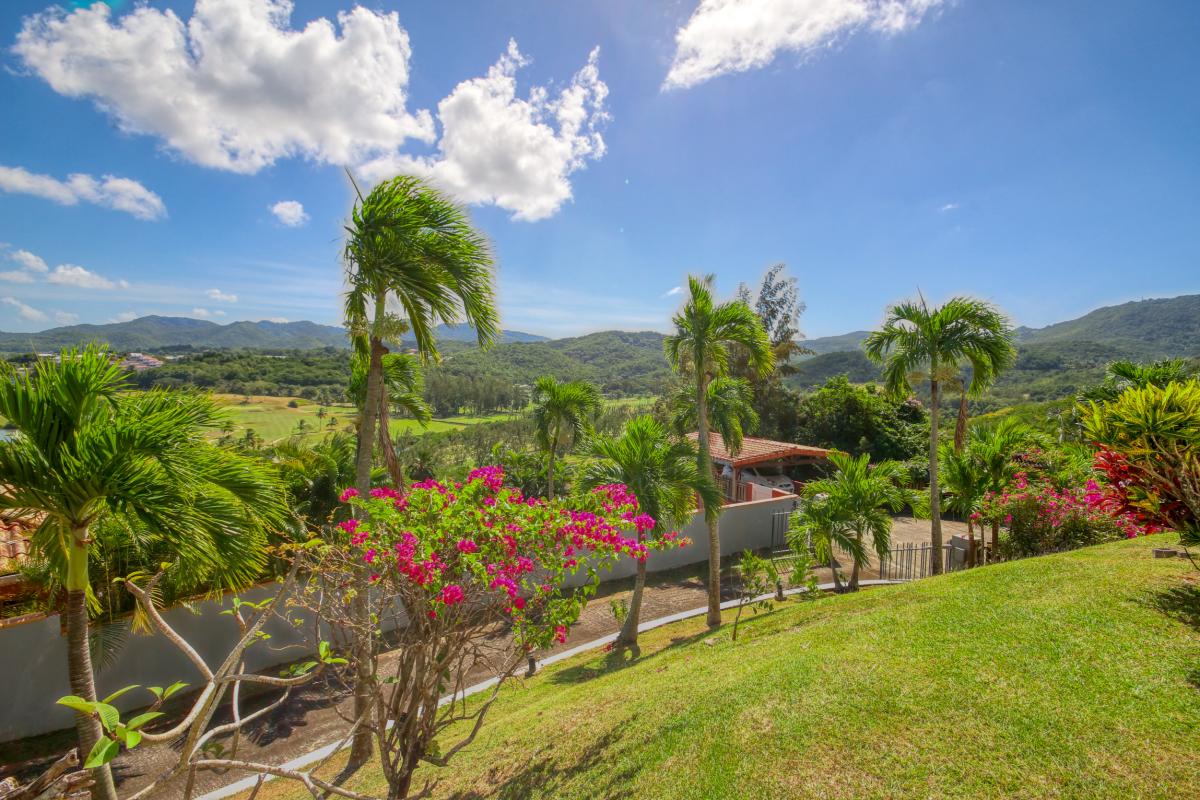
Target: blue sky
pixel 1039 154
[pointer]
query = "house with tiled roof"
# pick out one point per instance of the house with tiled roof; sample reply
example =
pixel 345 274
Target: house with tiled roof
pixel 761 468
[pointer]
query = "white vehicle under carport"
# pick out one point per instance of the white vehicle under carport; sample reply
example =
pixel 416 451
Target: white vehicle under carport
pixel 766 476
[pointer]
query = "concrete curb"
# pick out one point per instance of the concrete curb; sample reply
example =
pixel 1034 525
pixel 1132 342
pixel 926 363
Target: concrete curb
pixel 246 784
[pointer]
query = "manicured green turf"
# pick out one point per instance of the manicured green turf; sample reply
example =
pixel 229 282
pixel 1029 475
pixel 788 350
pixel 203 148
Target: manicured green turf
pixel 1069 676
pixel 272 419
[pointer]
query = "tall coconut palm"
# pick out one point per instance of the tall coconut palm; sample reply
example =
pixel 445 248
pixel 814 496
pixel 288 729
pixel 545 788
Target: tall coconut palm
pixel 87 448
pixel 661 471
pixel 854 504
pixel 409 244
pixel 563 412
pixel 916 340
pixel 699 349
pixel 403 385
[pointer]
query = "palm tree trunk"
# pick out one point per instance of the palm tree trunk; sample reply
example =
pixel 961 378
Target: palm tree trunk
pixel 550 475
pixel 833 567
pixel 704 463
pixel 854 569
pixel 935 500
pixel 361 748
pixel 960 427
pixel 79 660
pixel 629 631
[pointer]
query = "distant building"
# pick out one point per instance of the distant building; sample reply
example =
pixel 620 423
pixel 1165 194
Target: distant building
pixel 139 361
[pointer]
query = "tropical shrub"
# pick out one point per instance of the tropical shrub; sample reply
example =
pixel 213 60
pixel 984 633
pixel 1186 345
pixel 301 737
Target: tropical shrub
pixel 1148 441
pixel 1041 518
pixel 459 562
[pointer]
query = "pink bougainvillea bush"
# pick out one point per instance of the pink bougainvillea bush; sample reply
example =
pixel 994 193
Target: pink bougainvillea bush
pixel 473 577
pixel 1040 518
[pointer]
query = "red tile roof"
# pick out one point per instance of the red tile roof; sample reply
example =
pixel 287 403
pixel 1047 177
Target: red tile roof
pixel 14 542
pixel 758 451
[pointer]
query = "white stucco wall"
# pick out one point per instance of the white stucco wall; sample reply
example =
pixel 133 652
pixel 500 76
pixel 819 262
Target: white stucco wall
pixel 33 657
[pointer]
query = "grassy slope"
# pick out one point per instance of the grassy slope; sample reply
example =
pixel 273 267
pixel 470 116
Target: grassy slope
pixel 1073 675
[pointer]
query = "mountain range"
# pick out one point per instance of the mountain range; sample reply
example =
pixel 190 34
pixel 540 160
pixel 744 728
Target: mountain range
pixel 155 333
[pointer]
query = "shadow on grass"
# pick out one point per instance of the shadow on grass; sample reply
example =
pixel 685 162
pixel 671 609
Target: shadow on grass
pixel 617 660
pixel 1181 603
pixel 546 775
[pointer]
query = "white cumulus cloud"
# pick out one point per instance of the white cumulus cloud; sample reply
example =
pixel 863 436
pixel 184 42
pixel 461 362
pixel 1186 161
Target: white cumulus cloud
pixel 236 86
pixel 77 276
pixel 516 153
pixel 221 297
pixel 29 261
pixel 124 316
pixel 65 317
pixel 109 191
pixel 290 213
pixel 725 36
pixel 16 276
pixel 674 290
pixel 24 311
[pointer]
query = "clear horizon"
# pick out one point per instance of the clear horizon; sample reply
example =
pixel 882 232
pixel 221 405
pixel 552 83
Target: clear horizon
pixel 1040 157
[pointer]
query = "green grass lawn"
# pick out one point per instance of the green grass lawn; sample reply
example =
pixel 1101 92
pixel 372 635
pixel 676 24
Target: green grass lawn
pixel 272 419
pixel 1069 676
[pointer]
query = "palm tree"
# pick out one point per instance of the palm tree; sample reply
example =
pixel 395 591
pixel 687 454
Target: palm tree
pixel 855 502
pixel 918 341
pixel 403 389
pixel 731 412
pixel 562 409
pixel 315 474
pixel 407 243
pixel 699 348
pixel 992 449
pixel 661 471
pixel 87 448
pixel 964 483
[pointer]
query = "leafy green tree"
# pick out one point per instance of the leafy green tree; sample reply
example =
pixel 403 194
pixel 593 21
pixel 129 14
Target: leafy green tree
pixel 87 449
pixel 855 503
pixel 861 419
pixel 563 412
pixel 699 348
pixel 778 306
pixel 409 244
pixel 661 471
pixel 917 341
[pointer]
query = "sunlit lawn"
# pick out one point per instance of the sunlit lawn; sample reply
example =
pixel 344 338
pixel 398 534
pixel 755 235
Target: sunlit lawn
pixel 1070 676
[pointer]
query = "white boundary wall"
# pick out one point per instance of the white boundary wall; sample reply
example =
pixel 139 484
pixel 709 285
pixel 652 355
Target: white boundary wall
pixel 33 655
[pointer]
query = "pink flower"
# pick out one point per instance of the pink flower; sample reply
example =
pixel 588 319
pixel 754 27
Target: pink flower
pixel 452 593
pixel 347 494
pixel 467 546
